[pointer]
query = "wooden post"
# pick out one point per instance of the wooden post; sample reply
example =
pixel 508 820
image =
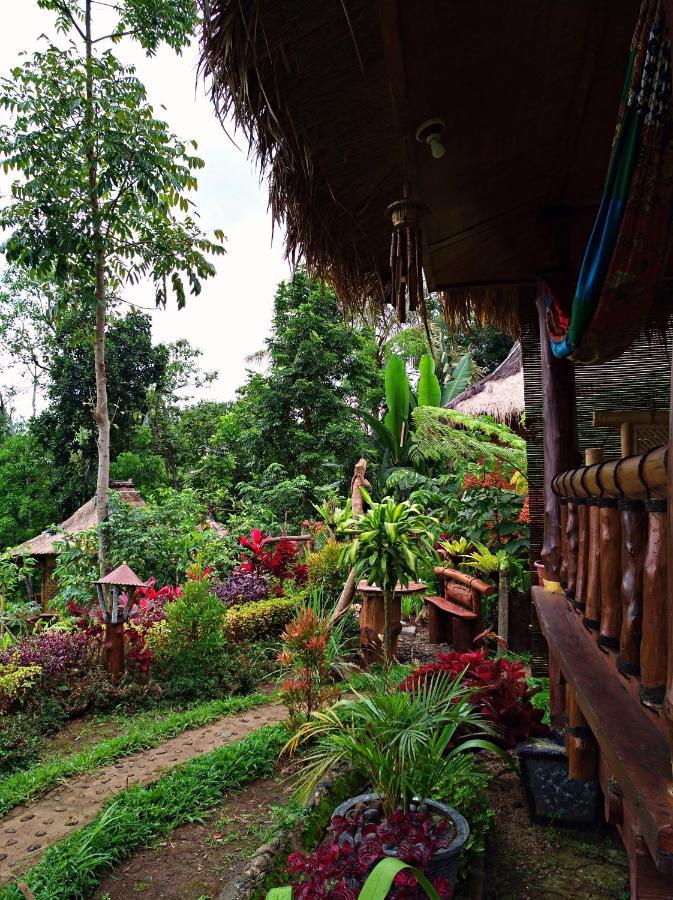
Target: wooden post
pixel 653 646
pixel 610 520
pixel 114 649
pixel 580 743
pixel 668 702
pixel 564 542
pixel 559 443
pixel 592 613
pixel 572 545
pixel 634 543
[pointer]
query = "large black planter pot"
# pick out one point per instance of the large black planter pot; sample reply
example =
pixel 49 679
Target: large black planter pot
pixel 444 862
pixel 552 797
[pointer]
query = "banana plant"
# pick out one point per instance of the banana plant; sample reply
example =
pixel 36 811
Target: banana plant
pixel 394 432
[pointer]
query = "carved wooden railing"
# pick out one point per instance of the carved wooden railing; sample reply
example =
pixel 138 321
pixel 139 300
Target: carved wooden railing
pixel 614 572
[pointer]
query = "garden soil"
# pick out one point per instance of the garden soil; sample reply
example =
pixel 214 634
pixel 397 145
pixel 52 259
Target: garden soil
pixel 27 831
pixel 197 861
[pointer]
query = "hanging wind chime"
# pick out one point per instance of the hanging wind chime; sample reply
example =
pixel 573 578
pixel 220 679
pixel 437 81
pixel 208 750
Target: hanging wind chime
pixel 406 257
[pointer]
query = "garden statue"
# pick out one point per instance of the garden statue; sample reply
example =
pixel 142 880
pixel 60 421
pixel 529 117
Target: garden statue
pixel 358 481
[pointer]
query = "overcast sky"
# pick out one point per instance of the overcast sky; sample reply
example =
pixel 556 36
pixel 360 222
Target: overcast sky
pixel 231 317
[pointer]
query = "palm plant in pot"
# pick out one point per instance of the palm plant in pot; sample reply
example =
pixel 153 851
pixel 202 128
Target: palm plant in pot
pixel 391 541
pixel 413 751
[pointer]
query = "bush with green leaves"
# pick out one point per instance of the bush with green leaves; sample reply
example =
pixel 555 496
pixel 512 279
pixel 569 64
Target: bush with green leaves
pixel 258 620
pixel 392 542
pixel 163 538
pixel 326 571
pixel 404 746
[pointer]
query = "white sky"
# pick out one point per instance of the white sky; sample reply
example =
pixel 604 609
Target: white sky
pixel 231 317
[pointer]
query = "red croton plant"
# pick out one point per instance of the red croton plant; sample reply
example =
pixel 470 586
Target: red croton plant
pixel 501 690
pixel 339 867
pixel 279 560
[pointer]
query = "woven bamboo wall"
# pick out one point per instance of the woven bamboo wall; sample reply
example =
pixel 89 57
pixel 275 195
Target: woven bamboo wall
pixel 639 379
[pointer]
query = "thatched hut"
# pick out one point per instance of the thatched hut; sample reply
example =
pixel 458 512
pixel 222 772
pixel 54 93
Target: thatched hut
pixel 499 394
pixel 43 546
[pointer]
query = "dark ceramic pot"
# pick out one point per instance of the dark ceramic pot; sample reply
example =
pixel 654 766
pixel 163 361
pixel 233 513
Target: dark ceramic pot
pixel 444 862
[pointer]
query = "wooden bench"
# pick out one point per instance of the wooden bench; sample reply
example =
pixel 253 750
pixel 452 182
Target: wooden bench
pixel 454 617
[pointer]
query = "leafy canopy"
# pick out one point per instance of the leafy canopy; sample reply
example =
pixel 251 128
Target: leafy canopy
pixel 143 223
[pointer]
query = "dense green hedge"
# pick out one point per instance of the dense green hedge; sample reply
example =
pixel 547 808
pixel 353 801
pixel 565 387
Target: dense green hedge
pixel 73 868
pixel 259 619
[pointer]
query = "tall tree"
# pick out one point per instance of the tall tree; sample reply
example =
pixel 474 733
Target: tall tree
pixel 293 415
pixel 134 368
pixel 101 198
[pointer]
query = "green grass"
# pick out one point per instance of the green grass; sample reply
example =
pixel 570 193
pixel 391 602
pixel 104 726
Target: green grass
pixel 73 868
pixel 145 733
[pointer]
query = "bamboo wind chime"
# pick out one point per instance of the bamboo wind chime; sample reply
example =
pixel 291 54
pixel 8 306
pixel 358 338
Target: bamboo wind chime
pixel 406 257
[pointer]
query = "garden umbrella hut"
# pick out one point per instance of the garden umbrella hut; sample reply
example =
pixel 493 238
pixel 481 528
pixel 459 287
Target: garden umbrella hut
pixel 489 162
pixel 43 546
pixel 499 394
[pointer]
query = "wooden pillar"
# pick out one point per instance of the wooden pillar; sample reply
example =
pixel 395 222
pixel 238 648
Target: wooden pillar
pixel 559 443
pixel 634 543
pixel 580 601
pixel 557 696
pixel 592 613
pixel 654 643
pixel 580 743
pixel 668 702
pixel 114 649
pixel 610 520
pixel 572 545
pixel 564 541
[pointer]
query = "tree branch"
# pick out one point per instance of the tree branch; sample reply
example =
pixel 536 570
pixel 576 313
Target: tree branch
pixel 66 12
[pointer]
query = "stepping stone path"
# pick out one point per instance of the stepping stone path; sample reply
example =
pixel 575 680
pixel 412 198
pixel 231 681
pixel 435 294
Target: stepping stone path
pixel 27 831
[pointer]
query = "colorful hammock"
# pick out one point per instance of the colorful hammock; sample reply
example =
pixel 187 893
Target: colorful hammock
pixel 626 252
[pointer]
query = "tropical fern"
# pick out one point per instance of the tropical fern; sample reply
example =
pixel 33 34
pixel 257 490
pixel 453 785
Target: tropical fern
pixel 446 434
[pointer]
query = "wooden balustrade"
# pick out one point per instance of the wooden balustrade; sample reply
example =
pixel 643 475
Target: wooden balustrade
pixel 614 545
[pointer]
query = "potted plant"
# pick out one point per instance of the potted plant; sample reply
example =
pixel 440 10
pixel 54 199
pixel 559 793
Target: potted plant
pixel 391 541
pixel 413 751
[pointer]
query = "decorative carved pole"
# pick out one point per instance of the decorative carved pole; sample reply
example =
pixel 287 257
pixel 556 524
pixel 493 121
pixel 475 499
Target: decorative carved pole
pixel 654 643
pixel 359 480
pixel 581 504
pixel 559 443
pixel 592 613
pixel 572 547
pixel 634 544
pixel 610 520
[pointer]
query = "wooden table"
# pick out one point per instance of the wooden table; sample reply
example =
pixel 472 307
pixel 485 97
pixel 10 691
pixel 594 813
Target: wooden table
pixel 372 617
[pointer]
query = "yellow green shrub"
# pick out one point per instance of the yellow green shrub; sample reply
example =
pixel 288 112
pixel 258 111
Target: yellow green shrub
pixel 15 680
pixel 259 619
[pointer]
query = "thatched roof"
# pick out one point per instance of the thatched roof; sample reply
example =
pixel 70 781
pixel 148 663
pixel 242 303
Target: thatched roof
pixel 330 94
pixel 499 395
pixel 82 519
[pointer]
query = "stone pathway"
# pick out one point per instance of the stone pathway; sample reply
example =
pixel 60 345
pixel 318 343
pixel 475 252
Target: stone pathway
pixel 27 831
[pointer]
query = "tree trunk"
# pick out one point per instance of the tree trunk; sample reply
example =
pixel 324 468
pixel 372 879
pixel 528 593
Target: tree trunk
pixel 387 628
pixel 503 610
pixel 101 414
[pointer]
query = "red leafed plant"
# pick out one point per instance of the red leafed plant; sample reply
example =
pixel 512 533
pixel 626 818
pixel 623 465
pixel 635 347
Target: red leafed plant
pixel 340 865
pixel 304 659
pixel 501 690
pixel 280 559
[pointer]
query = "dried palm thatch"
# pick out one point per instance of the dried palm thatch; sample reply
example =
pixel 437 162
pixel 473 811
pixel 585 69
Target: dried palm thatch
pixel 82 519
pixel 261 59
pixel 499 395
